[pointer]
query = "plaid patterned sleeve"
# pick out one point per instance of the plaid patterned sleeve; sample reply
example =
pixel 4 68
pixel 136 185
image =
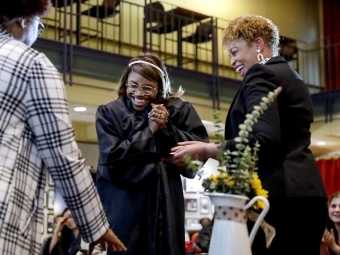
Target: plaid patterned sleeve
pixel 49 120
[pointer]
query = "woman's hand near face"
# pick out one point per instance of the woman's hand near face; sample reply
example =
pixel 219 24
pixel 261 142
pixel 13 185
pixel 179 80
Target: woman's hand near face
pixel 153 125
pixel 60 224
pixel 159 115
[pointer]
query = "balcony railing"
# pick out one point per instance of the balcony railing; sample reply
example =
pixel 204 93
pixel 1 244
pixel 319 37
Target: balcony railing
pixel 181 37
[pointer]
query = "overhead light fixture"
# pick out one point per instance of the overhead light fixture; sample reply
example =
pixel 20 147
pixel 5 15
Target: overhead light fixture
pixel 80 109
pixel 320 143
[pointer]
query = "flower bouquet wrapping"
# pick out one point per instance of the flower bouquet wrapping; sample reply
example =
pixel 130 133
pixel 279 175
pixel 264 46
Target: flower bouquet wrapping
pixel 237 169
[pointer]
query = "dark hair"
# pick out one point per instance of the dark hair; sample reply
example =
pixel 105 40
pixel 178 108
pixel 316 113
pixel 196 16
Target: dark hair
pixel 11 10
pixel 65 210
pixel 151 73
pixel 206 218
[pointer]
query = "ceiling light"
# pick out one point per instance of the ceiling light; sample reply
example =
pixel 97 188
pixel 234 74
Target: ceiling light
pixel 79 109
pixel 320 143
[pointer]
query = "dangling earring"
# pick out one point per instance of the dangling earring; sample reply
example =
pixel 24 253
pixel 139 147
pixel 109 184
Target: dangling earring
pixel 23 23
pixel 259 56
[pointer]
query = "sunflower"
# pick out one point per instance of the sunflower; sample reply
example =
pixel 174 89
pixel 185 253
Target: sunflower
pixel 213 179
pixel 259 191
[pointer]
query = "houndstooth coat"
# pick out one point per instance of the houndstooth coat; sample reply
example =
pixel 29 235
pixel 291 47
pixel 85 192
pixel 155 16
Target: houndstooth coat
pixel 35 133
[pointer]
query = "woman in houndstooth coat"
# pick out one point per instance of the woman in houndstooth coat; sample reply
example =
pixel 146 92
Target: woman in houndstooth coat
pixel 35 134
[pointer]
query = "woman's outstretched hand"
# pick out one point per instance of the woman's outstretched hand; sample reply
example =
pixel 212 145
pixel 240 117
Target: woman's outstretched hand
pixel 110 240
pixel 196 150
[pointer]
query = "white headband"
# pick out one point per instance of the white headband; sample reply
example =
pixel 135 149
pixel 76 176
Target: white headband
pixel 145 62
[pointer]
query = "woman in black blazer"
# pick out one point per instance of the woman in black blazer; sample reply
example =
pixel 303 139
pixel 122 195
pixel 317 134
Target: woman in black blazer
pixel 286 167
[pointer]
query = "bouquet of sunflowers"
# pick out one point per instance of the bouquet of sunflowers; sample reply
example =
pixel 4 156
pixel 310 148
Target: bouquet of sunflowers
pixel 237 169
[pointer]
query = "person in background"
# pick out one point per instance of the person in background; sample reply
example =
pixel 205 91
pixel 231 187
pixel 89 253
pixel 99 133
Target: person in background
pixel 204 236
pixel 286 166
pixel 330 243
pixel 143 197
pixel 46 243
pixel 204 222
pixel 66 237
pixel 35 134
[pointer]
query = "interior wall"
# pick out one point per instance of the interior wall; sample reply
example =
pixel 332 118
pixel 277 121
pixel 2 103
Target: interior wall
pixel 302 13
pixel 92 92
pixel 303 24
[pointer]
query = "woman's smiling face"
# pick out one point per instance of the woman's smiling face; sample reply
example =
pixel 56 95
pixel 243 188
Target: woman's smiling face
pixel 138 98
pixel 69 222
pixel 334 210
pixel 242 55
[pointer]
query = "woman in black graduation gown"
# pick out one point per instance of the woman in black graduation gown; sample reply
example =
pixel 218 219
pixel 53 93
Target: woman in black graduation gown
pixel 142 195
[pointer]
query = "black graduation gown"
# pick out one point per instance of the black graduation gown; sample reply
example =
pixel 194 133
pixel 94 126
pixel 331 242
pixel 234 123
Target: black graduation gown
pixel 134 194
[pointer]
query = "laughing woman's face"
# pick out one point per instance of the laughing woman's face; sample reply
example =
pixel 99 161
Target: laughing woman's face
pixel 146 91
pixel 242 55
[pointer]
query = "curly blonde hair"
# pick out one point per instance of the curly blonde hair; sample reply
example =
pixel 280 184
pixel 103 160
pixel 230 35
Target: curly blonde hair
pixel 248 28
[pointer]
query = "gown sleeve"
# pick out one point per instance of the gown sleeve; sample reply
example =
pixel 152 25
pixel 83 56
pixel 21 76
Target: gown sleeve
pixel 184 125
pixel 118 137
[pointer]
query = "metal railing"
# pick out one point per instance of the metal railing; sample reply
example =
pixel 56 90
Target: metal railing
pixel 125 31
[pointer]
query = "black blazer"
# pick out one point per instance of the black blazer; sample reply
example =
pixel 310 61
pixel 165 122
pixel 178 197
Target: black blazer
pixel 286 166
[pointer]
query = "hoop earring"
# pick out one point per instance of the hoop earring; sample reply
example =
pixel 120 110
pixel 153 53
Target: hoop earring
pixel 259 56
pixel 23 23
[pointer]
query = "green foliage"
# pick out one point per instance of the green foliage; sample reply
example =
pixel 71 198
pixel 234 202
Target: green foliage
pixel 236 167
